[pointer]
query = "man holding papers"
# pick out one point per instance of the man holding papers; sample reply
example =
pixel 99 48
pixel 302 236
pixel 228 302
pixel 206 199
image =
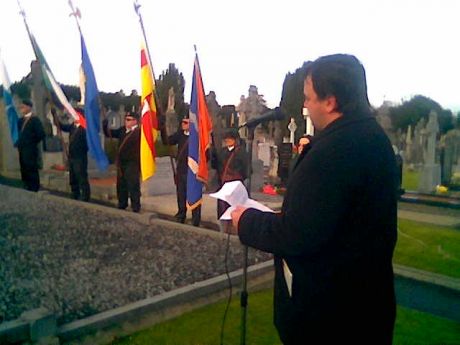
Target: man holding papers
pixel 334 238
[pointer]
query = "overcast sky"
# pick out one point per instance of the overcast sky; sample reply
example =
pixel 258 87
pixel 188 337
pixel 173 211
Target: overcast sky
pixel 408 47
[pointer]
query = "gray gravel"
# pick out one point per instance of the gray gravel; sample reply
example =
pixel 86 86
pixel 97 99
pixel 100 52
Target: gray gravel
pixel 77 261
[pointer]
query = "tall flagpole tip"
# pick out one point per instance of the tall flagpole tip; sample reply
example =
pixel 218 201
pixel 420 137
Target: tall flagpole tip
pixel 194 47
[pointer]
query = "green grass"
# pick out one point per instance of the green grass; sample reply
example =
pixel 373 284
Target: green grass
pixel 203 326
pixel 428 247
pixel 410 179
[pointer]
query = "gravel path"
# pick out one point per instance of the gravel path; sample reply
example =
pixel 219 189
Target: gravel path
pixel 77 261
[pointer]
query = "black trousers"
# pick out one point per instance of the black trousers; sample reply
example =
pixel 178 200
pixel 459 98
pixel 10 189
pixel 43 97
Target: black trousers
pixel 181 192
pixel 29 172
pixel 129 186
pixel 78 171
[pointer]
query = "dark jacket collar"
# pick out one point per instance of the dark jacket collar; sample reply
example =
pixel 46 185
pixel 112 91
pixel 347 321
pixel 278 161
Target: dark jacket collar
pixel 340 123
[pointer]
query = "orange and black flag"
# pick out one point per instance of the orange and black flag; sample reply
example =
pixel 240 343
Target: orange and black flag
pixel 149 120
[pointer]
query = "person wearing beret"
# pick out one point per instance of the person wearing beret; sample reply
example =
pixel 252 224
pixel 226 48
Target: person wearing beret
pixel 231 163
pixel 128 161
pixel 31 133
pixel 181 138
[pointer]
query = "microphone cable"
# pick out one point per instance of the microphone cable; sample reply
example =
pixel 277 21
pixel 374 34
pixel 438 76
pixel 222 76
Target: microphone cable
pixel 230 286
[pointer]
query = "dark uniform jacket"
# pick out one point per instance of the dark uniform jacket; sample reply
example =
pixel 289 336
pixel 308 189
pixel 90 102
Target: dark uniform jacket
pixel 181 140
pixel 231 165
pixel 78 147
pixel 129 144
pixel 336 232
pixel 31 132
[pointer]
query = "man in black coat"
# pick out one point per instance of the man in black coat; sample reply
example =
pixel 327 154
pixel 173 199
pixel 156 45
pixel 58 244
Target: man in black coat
pixel 180 138
pixel 78 157
pixel 231 163
pixel 334 238
pixel 31 133
pixel 128 161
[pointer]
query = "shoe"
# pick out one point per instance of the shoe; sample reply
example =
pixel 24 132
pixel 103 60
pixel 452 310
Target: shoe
pixel 122 207
pixel 136 210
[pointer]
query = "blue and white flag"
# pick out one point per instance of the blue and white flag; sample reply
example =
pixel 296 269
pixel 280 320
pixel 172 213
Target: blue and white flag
pixel 199 140
pixel 10 110
pixel 92 110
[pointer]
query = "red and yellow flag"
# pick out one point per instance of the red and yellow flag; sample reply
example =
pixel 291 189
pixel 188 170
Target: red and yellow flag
pixel 149 121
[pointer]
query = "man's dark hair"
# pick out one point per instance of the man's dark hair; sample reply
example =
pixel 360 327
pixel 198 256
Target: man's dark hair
pixel 344 77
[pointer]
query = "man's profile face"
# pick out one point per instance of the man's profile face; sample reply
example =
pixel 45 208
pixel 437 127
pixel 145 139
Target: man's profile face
pixel 24 109
pixel 185 124
pixel 130 121
pixel 230 142
pixel 315 106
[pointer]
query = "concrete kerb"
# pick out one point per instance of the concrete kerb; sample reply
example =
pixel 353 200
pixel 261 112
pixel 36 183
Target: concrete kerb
pixel 145 313
pixel 428 277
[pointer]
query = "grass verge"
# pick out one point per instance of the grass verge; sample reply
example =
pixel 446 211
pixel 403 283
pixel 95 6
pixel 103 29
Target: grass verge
pixel 203 326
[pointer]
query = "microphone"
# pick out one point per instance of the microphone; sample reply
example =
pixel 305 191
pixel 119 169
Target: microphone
pixel 272 115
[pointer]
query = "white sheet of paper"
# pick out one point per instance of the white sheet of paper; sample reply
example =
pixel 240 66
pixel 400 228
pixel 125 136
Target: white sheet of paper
pixel 287 277
pixel 235 193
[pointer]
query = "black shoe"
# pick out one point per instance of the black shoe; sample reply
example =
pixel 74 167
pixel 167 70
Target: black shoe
pixel 136 210
pixel 122 207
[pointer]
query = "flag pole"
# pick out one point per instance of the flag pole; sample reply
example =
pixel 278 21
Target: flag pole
pixel 65 153
pixel 164 136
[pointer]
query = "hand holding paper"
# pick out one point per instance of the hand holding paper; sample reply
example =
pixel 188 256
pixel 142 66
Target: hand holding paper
pixel 235 193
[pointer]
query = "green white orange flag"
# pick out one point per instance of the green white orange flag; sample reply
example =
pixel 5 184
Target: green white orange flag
pixel 149 121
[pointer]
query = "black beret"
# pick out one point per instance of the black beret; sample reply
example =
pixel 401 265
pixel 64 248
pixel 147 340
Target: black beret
pixel 27 102
pixel 231 133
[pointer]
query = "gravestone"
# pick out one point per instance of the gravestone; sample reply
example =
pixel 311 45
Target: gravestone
pixel 263 153
pixel 172 123
pixel 408 148
pixel 257 177
pixel 431 173
pixel 292 128
pixel 285 157
pixel 273 168
pixel 418 142
pixel 451 162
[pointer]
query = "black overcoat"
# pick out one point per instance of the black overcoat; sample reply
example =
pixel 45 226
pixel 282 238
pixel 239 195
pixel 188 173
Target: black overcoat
pixel 31 132
pixel 336 232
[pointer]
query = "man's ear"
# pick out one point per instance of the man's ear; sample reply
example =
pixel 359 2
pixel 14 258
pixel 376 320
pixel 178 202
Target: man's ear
pixel 331 104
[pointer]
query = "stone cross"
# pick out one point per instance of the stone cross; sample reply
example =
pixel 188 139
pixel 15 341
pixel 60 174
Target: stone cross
pixel 432 130
pixel 292 128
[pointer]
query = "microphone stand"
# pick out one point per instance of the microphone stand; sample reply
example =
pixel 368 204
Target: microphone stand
pixel 244 290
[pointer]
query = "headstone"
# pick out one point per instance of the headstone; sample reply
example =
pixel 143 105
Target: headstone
pixel 418 142
pixel 172 123
pixel 273 168
pixel 252 106
pixel 431 173
pixel 257 176
pixel 451 161
pixel 408 149
pixel 292 128
pixel 263 153
pixel 285 156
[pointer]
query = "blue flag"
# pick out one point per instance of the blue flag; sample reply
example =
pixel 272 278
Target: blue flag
pixel 92 111
pixel 199 140
pixel 9 105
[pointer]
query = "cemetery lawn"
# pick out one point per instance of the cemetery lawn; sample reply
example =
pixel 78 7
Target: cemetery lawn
pixel 203 326
pixel 428 247
pixel 410 180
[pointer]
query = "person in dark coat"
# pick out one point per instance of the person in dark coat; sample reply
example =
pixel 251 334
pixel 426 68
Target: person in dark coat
pixel 78 157
pixel 127 161
pixel 334 238
pixel 181 138
pixel 231 163
pixel 31 133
